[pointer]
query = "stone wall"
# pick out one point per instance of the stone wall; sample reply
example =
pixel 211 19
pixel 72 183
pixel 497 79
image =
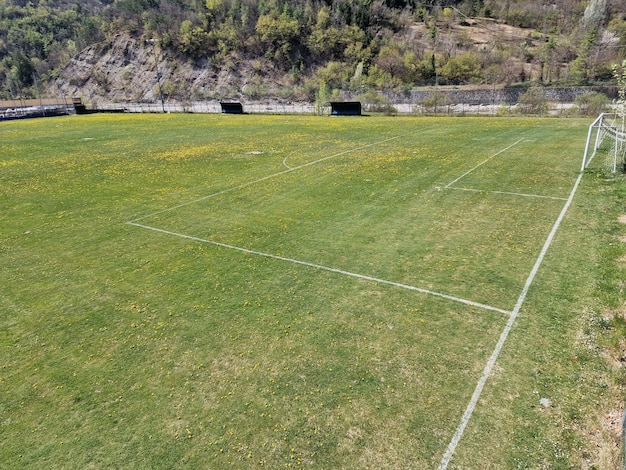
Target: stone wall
pixel 485 96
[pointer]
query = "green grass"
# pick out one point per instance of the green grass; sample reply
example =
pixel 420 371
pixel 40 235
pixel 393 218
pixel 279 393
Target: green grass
pixel 134 348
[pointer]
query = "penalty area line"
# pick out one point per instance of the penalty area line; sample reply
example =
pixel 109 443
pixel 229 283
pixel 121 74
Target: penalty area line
pixel 482 163
pixel 327 268
pixel 458 434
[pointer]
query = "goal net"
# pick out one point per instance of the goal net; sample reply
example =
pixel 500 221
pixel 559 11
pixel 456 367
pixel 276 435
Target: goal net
pixel 606 143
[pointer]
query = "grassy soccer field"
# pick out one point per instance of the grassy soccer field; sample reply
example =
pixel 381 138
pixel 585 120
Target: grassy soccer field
pixel 185 291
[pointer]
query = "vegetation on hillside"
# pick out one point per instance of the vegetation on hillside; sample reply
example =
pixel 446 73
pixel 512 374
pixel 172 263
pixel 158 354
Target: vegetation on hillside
pixel 344 44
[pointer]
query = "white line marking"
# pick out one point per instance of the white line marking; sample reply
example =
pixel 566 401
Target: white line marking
pixel 507 193
pixel 285 162
pixel 447 456
pixel 327 268
pixel 482 163
pixel 265 178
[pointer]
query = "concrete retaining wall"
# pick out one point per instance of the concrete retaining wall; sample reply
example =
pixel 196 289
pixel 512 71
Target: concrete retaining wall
pixel 493 96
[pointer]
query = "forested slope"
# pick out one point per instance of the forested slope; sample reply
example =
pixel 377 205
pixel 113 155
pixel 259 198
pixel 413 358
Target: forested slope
pixel 293 49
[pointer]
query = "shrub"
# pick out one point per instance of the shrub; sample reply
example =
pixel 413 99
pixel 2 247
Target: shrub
pixel 503 110
pixel 436 100
pixel 591 104
pixel 377 103
pixel 534 101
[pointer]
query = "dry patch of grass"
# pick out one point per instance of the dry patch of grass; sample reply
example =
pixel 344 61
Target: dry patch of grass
pixel 605 432
pixel 604 427
pixel 601 428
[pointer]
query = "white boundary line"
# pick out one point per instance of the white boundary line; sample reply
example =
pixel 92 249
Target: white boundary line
pixel 265 178
pixel 456 438
pixel 327 268
pixel 482 163
pixel 507 193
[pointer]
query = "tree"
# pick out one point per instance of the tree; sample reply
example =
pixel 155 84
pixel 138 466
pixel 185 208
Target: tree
pixel 390 60
pixel 280 35
pixel 534 101
pixel 322 98
pixel 547 62
pixel 476 7
pixel 619 72
pixel 325 41
pixel 136 7
pixel 378 78
pixel 618 27
pixel 581 66
pixel 21 70
pixel 335 74
pixel 464 68
pixel 193 40
pixel 357 49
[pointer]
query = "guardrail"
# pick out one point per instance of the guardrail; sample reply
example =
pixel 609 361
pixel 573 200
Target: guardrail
pixel 22 112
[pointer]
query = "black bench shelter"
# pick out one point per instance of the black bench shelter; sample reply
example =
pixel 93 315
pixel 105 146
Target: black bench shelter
pixel 232 108
pixel 79 106
pixel 345 108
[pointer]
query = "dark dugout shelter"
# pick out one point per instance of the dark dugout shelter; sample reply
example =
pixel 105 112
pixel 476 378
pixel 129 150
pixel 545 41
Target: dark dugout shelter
pixel 345 108
pixel 232 108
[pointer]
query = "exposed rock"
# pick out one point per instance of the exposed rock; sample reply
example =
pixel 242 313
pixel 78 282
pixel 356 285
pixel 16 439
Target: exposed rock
pixel 130 69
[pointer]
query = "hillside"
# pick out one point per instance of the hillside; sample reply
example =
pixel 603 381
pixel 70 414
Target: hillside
pixel 136 50
pixel 127 69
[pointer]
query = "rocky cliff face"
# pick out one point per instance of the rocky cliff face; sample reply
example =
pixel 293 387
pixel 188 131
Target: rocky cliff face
pixel 123 70
pixel 130 69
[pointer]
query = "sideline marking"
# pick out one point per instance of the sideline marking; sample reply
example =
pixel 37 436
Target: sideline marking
pixel 482 163
pixel 447 456
pixel 265 178
pixel 556 198
pixel 327 268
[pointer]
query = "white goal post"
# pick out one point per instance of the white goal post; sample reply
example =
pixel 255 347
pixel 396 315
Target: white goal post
pixel 606 142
